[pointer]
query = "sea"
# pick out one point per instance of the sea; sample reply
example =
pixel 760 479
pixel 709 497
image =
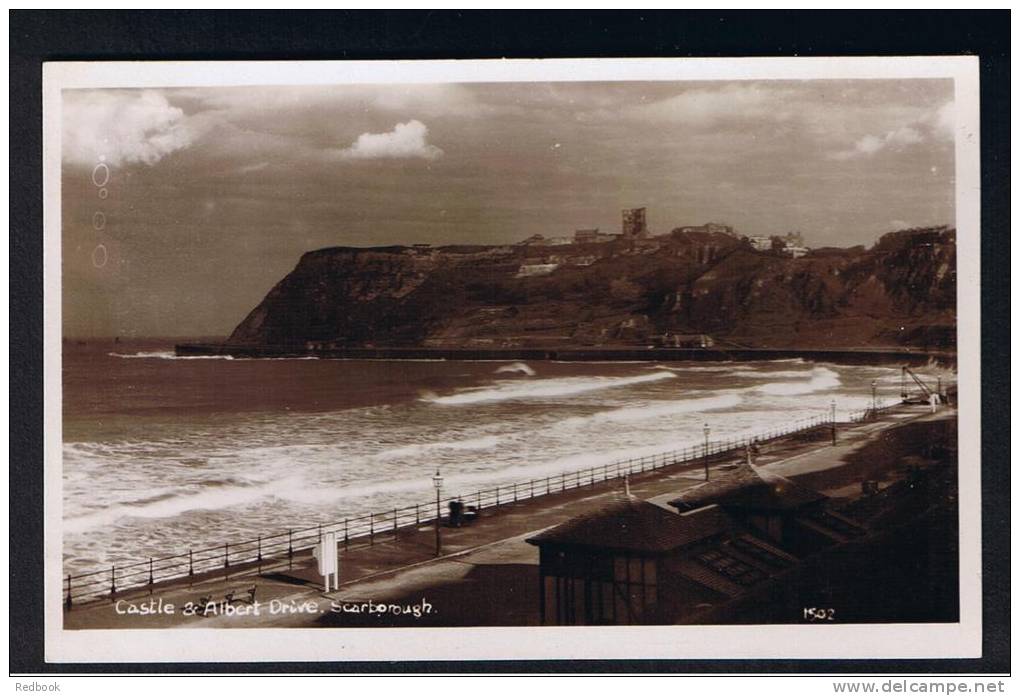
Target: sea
pixel 164 453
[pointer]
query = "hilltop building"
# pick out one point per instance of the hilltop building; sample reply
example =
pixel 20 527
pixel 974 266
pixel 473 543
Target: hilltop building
pixel 635 225
pixel 593 236
pixel 707 228
pixel 672 340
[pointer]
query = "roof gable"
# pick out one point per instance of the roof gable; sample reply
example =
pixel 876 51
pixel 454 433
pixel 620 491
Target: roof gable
pixel 749 487
pixel 630 524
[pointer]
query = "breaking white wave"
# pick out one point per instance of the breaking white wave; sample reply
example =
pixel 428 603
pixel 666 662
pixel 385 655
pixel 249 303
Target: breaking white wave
pixel 172 505
pixel 545 388
pixel 517 367
pixel 479 443
pixel 168 355
pixel 632 414
pixel 694 368
pixel 774 374
pixel 818 379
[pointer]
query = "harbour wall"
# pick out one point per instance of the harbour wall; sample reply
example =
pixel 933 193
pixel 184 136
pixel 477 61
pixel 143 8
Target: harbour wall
pixel 850 356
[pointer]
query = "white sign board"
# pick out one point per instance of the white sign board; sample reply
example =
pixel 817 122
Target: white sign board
pixel 329 560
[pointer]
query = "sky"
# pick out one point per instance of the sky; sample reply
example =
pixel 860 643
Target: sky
pixel 182 207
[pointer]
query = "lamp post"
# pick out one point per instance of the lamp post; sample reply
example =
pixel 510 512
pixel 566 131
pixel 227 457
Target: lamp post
pixel 832 404
pixel 707 431
pixel 437 481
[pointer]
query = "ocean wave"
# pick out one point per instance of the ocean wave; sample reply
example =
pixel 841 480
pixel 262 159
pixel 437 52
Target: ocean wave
pixel 694 368
pixel 819 379
pixel 539 389
pixel 167 355
pixel 166 505
pixel 479 443
pixel 774 374
pixel 632 414
pixel 517 367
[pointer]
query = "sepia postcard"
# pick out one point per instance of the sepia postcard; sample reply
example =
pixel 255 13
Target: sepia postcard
pixel 512 359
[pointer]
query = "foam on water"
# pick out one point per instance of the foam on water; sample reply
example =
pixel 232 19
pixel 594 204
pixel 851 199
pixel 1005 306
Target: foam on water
pixel 172 505
pixel 517 367
pixel 146 484
pixel 819 379
pixel 167 355
pixel 545 388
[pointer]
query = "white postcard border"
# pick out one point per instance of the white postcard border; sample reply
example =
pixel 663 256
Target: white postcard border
pixel 653 642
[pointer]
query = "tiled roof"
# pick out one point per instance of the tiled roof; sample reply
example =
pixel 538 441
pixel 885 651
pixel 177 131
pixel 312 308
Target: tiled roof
pixel 749 488
pixel 630 524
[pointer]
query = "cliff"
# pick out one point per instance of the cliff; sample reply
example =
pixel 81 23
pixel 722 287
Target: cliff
pixel 900 292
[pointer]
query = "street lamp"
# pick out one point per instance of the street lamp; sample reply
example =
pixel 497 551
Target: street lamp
pixel 437 481
pixel 832 405
pixel 707 431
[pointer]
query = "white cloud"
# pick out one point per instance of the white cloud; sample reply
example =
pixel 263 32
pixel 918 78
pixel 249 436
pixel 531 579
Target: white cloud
pixel 406 140
pixel 872 144
pixel 945 120
pixel 249 168
pixel 706 106
pixel 122 127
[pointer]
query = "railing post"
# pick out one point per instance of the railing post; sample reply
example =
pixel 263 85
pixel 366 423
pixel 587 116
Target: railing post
pixel 531 483
pixel 497 496
pixel 68 601
pixel 226 561
pixel 394 523
pixel 479 505
pixel 290 549
pixel 515 492
pixel 113 581
pixel 319 527
pixel 258 559
pixel 347 536
pixel 548 484
pixel 371 529
pixel 417 515
pixel 191 566
pixel 150 575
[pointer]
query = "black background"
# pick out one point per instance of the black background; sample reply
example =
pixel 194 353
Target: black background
pixel 36 37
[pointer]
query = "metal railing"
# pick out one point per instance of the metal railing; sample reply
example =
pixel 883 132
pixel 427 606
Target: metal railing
pixel 280 547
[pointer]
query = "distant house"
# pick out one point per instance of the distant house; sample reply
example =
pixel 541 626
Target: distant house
pixel 536 269
pixel 672 340
pixel 760 243
pixel 558 241
pixel 633 562
pixel 793 239
pixel 707 228
pixel 593 236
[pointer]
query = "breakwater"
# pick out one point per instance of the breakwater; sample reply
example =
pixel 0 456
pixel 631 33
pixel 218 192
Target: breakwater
pixel 847 356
